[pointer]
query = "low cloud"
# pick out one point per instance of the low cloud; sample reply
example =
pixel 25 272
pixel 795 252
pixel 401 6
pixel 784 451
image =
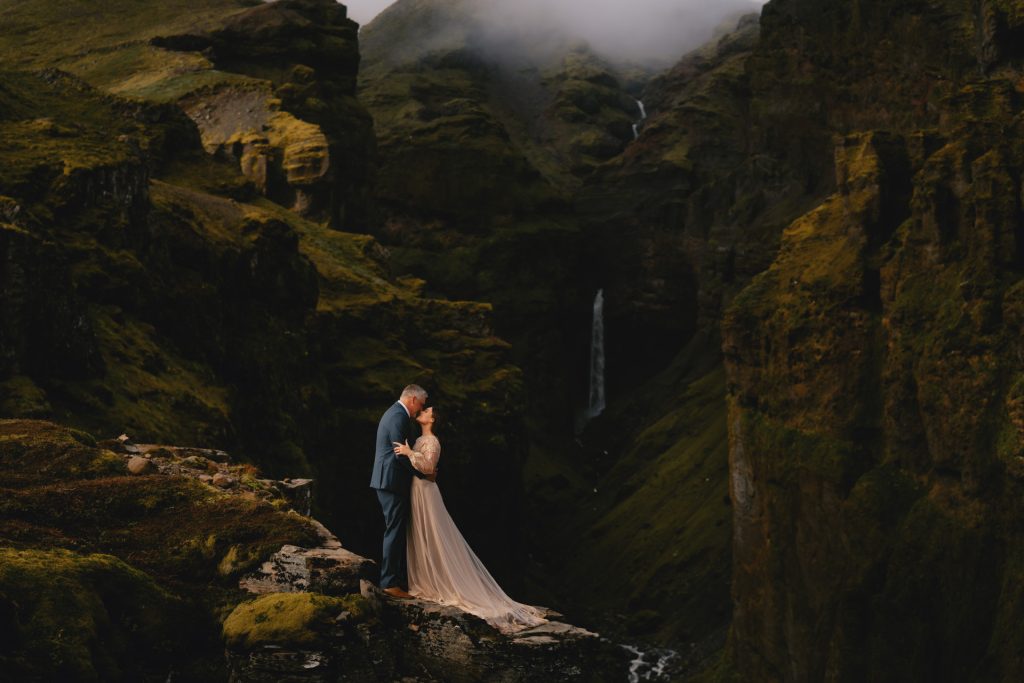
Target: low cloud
pixel 634 30
pixel 365 10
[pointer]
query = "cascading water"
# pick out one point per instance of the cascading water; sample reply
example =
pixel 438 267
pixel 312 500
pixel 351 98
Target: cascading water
pixel 651 665
pixel 596 403
pixel 643 115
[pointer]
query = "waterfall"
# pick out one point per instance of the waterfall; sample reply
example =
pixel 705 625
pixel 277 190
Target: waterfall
pixel 639 122
pixel 596 403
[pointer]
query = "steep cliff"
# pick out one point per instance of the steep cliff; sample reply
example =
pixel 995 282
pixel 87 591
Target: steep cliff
pixel 855 442
pixel 874 453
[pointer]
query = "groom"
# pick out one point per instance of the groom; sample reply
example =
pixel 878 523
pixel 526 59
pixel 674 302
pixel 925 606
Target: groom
pixel 392 477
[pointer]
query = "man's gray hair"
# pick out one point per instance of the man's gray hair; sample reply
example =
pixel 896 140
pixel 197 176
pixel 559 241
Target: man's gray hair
pixel 414 391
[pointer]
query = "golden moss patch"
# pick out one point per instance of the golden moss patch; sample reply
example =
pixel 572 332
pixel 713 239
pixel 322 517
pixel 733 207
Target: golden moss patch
pixel 289 619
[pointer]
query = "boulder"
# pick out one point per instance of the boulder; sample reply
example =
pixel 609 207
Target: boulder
pixel 224 481
pixel 196 462
pixel 140 465
pixel 332 571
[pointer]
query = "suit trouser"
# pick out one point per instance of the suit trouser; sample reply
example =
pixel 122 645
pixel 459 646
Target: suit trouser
pixel 396 517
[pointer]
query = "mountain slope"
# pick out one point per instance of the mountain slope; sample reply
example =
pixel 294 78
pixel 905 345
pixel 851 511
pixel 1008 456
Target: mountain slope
pixel 164 275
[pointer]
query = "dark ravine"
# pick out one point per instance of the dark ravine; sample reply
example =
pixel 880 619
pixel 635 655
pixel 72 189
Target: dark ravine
pixel 224 225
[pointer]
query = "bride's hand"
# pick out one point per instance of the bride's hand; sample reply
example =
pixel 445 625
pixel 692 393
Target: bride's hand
pixel 402 448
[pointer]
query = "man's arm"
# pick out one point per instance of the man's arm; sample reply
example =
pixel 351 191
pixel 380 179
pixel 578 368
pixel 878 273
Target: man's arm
pixel 398 432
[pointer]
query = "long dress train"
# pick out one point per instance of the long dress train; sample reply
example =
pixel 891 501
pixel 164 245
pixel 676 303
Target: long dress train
pixel 442 566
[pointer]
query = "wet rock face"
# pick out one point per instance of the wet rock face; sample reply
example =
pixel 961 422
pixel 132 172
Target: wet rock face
pixel 875 459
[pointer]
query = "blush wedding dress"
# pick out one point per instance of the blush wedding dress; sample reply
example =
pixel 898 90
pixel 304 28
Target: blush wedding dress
pixel 442 566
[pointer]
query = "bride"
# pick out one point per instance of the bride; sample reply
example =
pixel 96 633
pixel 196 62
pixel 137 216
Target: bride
pixel 442 566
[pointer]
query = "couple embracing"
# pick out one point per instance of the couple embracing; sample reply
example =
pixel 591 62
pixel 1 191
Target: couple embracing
pixel 423 549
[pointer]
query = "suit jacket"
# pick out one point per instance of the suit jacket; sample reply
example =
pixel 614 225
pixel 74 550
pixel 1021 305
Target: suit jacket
pixel 392 472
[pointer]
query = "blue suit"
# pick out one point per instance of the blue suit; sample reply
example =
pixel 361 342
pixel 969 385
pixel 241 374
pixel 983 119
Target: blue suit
pixel 392 477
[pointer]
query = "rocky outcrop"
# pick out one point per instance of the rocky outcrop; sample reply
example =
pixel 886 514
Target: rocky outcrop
pixel 294 126
pixel 109 575
pixel 366 637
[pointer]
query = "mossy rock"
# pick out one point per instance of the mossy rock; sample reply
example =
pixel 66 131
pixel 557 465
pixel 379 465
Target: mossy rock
pixel 37 452
pixel 290 619
pixel 74 617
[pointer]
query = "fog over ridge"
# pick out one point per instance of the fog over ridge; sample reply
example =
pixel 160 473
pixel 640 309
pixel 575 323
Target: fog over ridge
pixel 634 30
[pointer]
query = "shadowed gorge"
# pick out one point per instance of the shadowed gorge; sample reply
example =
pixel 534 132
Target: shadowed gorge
pixel 232 231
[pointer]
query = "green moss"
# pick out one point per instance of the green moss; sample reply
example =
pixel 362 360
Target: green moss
pixel 84 618
pixel 36 452
pixel 174 528
pixel 240 558
pixel 942 585
pixel 289 619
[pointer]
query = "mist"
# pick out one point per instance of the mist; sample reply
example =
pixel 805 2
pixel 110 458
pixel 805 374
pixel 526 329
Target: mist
pixel 632 30
pixel 363 11
pixel 644 31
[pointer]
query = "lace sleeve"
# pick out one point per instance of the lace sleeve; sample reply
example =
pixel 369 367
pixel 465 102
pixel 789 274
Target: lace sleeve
pixel 425 455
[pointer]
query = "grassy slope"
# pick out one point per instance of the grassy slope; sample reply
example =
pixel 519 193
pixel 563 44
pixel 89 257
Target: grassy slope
pixel 38 33
pixel 649 506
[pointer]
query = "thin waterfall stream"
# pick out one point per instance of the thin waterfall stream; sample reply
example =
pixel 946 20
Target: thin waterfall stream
pixel 639 122
pixel 596 403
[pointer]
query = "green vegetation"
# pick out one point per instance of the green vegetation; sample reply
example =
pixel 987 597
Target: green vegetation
pixel 664 538
pixel 41 34
pixel 650 506
pixel 289 619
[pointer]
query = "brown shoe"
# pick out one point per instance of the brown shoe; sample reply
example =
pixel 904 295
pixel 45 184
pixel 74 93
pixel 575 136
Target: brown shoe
pixel 396 592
